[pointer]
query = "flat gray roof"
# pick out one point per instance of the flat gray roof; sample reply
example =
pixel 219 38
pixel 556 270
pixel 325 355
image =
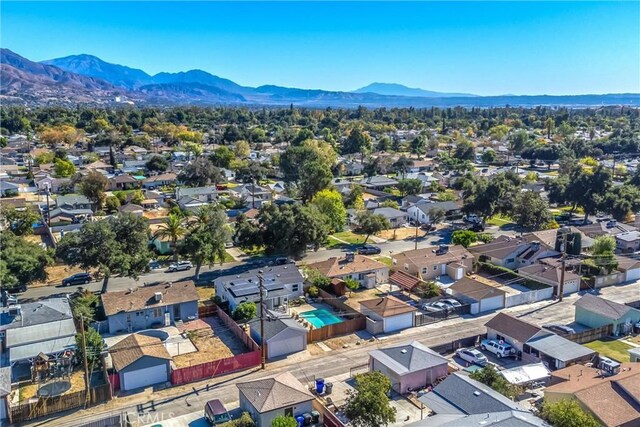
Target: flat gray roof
pixel 560 348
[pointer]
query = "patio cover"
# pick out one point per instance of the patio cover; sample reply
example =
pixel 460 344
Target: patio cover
pixel 526 373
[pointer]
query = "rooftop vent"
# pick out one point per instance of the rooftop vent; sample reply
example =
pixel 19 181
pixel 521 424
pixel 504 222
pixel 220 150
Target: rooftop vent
pixel 403 351
pixel 158 296
pixel 476 393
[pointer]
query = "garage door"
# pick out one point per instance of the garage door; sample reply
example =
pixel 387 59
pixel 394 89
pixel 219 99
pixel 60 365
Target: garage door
pixel 570 288
pixel 492 303
pixel 285 346
pixel 633 274
pixel 397 323
pixel 145 377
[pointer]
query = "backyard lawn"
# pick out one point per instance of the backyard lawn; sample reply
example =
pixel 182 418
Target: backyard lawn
pixel 348 237
pixel 499 220
pixel 614 349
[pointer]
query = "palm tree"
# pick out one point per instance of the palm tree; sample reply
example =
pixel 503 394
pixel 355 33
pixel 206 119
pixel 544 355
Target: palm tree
pixel 172 229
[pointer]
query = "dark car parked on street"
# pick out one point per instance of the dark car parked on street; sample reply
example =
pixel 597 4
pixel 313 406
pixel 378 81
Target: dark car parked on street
pixel 77 279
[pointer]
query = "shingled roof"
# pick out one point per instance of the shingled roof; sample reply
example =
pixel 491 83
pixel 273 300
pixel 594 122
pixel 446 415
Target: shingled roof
pixel 604 307
pixel 387 306
pixel 335 266
pixel 275 392
pixel 144 297
pixel 512 327
pixel 134 347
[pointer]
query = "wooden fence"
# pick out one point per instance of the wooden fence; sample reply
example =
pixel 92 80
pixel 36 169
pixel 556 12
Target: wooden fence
pixel 47 406
pixel 590 334
pixel 207 310
pixel 237 330
pixel 356 321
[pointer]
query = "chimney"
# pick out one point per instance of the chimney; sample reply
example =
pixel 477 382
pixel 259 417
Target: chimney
pixel 350 256
pixel 158 296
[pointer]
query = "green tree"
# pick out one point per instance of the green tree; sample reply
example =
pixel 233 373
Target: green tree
pixel 84 306
pixel 329 203
pixel 409 186
pixel 490 376
pixel 245 311
pixel 369 405
pixel 243 149
pixel 531 211
pixel 303 135
pixel 64 168
pixel 222 157
pixel 284 421
pixel 358 141
pixel 370 223
pixel 20 221
pixel 111 204
pixel 173 229
pixel 603 252
pixel 157 164
pixel 93 187
pixel 95 345
pixel 402 165
pixel 567 413
pixel 137 197
pixel 21 262
pixel 351 284
pixel 201 172
pixel 436 215
pixel 488 156
pixel 464 150
pixel 549 125
pixel 463 237
pixel 519 140
pixel 314 177
pixel 206 243
pixel 418 145
pixel 116 245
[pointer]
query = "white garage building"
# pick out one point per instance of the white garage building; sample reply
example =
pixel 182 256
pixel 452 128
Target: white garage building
pixel 387 314
pixel 140 361
pixel 482 297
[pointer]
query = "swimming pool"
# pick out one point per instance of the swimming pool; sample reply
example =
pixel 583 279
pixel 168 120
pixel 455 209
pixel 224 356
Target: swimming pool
pixel 321 317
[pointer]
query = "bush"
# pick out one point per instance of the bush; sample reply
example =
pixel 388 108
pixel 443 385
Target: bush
pixel 245 311
pixel 427 290
pixel 484 237
pixel 314 291
pixel 244 421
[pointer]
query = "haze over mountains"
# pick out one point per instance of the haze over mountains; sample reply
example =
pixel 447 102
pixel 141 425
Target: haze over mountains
pixel 88 79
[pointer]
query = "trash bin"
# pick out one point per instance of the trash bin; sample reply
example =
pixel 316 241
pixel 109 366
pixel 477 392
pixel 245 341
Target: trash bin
pixel 315 415
pixel 300 420
pixel 328 387
pixel 319 385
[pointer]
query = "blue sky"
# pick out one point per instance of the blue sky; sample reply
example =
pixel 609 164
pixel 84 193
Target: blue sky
pixel 480 47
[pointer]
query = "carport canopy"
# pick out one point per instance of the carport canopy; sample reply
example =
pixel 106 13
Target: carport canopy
pixel 525 374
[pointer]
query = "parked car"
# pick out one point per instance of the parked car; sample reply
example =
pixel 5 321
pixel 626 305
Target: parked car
pixel 282 260
pixel 435 307
pixel 77 279
pixel 216 413
pixel 560 328
pixel 451 302
pixel 154 265
pixel 472 355
pixel 369 250
pixel 476 227
pixel 180 266
pixel 428 227
pixel 499 348
pixel 471 218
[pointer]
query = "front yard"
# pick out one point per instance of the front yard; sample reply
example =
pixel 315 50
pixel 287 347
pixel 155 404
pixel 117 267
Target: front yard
pixel 500 220
pixel 614 349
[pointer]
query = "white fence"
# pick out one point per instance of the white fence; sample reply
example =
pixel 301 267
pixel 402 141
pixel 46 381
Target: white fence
pixel 528 297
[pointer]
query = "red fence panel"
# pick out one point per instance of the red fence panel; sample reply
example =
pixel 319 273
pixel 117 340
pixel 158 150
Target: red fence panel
pixel 216 368
pixel 114 380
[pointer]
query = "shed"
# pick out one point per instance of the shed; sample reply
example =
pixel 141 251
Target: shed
pixel 393 313
pixel 409 367
pixel 283 335
pixel 140 361
pixel 481 296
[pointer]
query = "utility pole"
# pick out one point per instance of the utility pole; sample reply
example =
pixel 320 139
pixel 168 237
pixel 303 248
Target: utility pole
pixel 48 208
pixel 416 244
pixel 263 310
pixel 562 266
pixel 86 364
pixel 253 194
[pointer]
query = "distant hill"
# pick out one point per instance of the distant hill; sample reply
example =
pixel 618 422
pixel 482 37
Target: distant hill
pixel 89 65
pixel 395 89
pixel 33 82
pixel 88 79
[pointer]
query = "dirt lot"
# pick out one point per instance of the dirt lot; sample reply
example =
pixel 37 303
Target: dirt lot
pixel 401 233
pixel 77 384
pixel 212 344
pixel 361 295
pixel 156 213
pixel 55 274
pixel 205 294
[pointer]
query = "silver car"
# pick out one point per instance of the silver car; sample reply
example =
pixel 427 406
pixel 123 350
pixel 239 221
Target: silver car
pixel 180 266
pixel 472 355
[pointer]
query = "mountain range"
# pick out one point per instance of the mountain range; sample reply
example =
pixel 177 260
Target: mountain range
pixel 88 79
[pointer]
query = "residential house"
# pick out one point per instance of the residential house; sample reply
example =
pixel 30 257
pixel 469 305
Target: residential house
pixel 535 344
pixel 628 242
pixel 8 189
pixel 135 152
pixel 229 175
pixel 606 228
pixel 432 262
pixel 410 367
pixel 161 180
pixel 282 334
pixel 422 165
pixel 253 195
pixel 99 166
pixel 123 182
pixel 279 395
pixel 353 167
pixel 367 271
pixel 378 182
pixel 630 267
pixel 71 208
pixel 207 194
pixel 190 204
pixel 5 390
pixel 596 312
pixel 387 314
pixel 50 183
pixel 282 282
pixel 634 354
pixel 73 202
pixel 140 361
pixel 134 166
pixel 132 209
pixel 459 401
pixel 45 326
pixel 551 275
pixel 614 400
pixel 150 306
pixel 420 211
pixel 481 297
pixel 396 217
pixel 513 252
